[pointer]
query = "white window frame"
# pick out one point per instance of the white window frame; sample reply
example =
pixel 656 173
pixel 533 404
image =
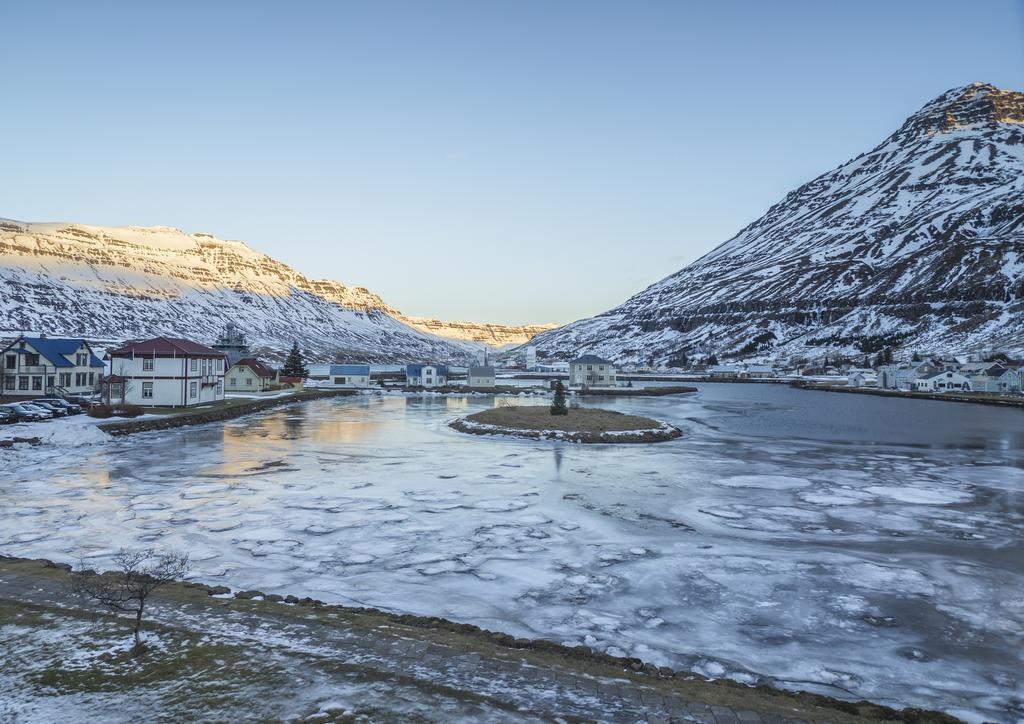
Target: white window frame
pixel 148 364
pixel 147 390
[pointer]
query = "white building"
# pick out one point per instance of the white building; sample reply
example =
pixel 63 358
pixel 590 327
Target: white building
pixel 249 375
pixel 38 366
pixel 592 371
pixel 860 378
pixel 724 371
pixel 943 382
pixel 531 359
pixel 426 375
pixel 480 376
pixel 348 376
pixel 165 372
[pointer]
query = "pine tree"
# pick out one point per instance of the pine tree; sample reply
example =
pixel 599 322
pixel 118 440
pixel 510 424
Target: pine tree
pixel 558 407
pixel 294 366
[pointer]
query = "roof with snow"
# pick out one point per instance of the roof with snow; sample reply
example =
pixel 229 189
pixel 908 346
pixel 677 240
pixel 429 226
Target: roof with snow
pixel 166 347
pixel 355 370
pixel 590 359
pixel 54 349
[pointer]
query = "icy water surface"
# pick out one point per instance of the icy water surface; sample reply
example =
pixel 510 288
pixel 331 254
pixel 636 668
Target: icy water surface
pixel 848 544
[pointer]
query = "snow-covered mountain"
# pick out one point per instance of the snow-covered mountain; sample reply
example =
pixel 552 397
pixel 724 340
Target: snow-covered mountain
pixel 919 242
pixel 111 284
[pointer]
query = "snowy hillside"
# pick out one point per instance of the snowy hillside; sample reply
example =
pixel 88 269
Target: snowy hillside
pixel 919 241
pixel 111 284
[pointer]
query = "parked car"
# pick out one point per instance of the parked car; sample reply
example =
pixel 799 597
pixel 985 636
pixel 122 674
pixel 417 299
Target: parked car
pixel 83 401
pixel 43 413
pixel 69 407
pixel 7 416
pixel 25 414
pixel 57 410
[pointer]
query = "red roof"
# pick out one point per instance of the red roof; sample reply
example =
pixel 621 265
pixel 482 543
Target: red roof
pixel 260 369
pixel 165 347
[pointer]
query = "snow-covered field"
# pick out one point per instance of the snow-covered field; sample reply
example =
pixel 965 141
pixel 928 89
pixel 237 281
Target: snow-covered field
pixel 849 544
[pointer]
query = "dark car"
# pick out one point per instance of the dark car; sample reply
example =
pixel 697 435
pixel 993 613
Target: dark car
pixel 24 414
pixel 68 407
pixel 83 401
pixel 57 410
pixel 7 416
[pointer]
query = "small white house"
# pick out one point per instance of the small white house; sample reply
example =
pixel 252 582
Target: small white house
pixel 426 375
pixel 165 372
pixel 38 366
pixel 861 379
pixel 995 378
pixel 943 382
pixel 592 371
pixel 724 371
pixel 348 376
pixel 480 376
pixel 249 375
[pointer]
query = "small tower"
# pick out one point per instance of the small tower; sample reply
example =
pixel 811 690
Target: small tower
pixel 232 343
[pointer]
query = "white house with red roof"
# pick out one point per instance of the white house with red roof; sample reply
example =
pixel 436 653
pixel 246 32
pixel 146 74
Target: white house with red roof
pixel 165 372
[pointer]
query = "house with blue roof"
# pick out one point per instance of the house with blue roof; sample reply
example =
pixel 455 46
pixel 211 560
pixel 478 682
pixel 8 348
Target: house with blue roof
pixel 38 366
pixel 426 375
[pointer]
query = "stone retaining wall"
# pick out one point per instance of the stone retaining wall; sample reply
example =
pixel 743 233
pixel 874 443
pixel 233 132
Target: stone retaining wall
pixel 201 417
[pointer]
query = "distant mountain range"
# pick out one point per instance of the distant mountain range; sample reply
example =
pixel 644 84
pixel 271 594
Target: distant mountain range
pixel 111 284
pixel 918 243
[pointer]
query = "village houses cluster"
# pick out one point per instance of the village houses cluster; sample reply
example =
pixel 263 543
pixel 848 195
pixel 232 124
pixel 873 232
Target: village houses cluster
pixel 174 372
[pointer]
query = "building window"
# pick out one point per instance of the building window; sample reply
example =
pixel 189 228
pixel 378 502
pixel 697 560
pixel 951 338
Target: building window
pixel 23 383
pixel 147 365
pixel 339 380
pixel 92 378
pixel 37 383
pixel 11 362
pixel 220 387
pixel 81 359
pixel 65 379
pixel 193 389
pixel 248 381
pixel 49 382
pixel 31 359
pixel 193 364
pixel 147 390
pixel 9 382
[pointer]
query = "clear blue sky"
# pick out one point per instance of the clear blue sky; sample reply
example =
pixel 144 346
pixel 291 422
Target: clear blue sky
pixel 509 162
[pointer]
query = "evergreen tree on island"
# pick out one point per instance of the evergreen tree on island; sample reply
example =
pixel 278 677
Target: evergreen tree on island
pixel 294 365
pixel 558 407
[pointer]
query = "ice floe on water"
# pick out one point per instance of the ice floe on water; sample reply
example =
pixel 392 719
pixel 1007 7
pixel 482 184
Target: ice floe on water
pixel 753 547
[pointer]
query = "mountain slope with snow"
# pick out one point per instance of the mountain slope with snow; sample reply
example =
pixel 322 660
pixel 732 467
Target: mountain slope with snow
pixel 119 283
pixel 918 242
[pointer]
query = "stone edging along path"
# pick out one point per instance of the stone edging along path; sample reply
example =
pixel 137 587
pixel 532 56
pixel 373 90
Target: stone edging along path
pixel 661 433
pixel 200 417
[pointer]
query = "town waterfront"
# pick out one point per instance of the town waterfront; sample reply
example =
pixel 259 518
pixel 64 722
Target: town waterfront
pixel 853 545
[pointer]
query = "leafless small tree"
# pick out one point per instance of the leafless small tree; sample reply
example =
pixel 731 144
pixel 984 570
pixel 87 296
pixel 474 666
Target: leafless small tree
pixel 127 588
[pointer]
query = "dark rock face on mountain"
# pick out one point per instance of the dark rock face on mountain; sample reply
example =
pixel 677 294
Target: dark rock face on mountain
pixel 918 243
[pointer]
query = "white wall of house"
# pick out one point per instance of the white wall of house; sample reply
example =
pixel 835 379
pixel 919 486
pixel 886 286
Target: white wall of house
pixel 587 374
pixel 481 381
pixel 42 376
pixel 429 377
pixel 943 382
pixel 170 381
pixel 241 378
pixel 349 381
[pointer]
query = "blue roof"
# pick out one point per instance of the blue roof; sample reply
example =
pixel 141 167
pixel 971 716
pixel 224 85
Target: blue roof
pixel 417 370
pixel 54 349
pixel 350 370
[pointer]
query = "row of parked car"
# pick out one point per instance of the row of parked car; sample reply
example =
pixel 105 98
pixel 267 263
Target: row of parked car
pixel 44 408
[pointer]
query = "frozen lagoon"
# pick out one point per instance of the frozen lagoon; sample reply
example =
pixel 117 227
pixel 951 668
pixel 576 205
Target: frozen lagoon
pixel 848 544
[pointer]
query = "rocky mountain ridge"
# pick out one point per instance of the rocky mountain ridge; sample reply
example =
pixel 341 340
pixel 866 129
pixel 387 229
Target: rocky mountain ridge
pixel 918 244
pixel 116 283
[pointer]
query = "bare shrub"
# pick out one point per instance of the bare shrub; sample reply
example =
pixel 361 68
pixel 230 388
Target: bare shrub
pixel 127 588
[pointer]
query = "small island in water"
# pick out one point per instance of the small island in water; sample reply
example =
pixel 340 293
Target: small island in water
pixel 581 424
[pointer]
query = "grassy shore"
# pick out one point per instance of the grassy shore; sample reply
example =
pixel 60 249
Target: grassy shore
pixel 221 658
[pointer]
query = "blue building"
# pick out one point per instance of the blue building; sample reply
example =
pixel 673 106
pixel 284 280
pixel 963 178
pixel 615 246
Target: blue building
pixel 37 366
